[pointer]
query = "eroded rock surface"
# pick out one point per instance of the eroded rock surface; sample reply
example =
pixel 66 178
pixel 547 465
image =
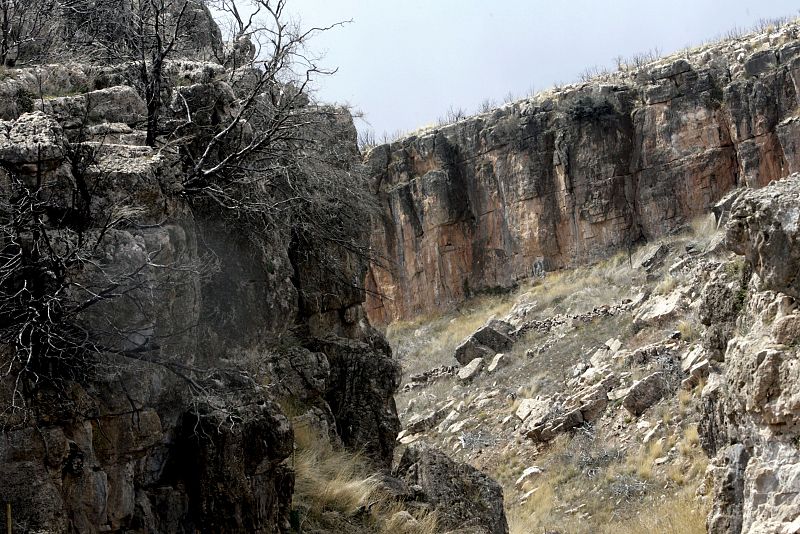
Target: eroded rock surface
pixel 572 175
pixel 752 404
pixel 465 499
pixel 146 447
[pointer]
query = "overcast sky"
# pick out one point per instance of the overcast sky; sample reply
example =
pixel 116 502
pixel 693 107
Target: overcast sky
pixel 404 63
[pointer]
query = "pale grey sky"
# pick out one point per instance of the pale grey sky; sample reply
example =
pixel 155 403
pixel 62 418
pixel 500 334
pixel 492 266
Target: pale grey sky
pixel 404 63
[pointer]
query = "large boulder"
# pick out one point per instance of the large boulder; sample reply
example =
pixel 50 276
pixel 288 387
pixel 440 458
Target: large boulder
pixel 646 392
pixel 484 343
pixel 660 308
pixel 471 370
pixel 464 498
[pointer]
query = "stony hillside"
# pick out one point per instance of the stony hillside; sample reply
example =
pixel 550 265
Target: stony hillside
pixel 577 173
pixel 655 392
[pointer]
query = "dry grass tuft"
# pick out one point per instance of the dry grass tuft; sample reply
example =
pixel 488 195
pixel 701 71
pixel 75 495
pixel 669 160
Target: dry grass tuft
pixel 688 330
pixel 704 227
pixel 684 400
pixel 328 478
pixel 332 485
pixel 423 523
pixel 680 514
pixel 641 464
pixel 666 286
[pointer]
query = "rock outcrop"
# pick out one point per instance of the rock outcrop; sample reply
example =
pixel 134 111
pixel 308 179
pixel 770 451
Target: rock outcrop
pixel 576 173
pixel 181 429
pixel 465 499
pixel 752 403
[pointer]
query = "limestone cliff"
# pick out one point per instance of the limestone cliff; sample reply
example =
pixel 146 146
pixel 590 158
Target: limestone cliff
pixel 214 326
pixel 579 172
pixel 751 405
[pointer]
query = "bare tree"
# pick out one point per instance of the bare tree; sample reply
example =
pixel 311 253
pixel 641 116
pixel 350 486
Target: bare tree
pixel 487 105
pixel 26 30
pixel 254 150
pixel 367 140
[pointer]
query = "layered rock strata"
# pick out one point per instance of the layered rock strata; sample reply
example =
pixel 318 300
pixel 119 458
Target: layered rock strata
pixel 576 173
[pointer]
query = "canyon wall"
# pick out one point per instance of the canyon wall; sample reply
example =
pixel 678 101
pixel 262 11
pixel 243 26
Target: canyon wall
pixel 175 420
pixel 578 173
pixel 751 402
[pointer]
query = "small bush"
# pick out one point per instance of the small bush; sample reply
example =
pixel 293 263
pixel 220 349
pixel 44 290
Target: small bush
pixel 589 109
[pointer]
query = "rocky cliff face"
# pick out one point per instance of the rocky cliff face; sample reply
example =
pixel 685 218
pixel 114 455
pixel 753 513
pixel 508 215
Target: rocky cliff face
pixel 751 402
pixel 574 174
pixel 191 437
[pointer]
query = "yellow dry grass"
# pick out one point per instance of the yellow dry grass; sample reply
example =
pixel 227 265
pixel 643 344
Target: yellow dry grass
pixel 395 524
pixel 330 479
pixel 677 514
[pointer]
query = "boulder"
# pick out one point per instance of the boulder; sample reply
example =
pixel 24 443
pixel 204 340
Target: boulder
pixel 470 350
pixel 463 497
pixel 644 393
pixel 659 308
pixel 604 354
pixel 498 361
pixel 504 327
pixel 613 345
pixel 532 408
pixel 527 474
pixel 471 370
pixel 545 419
pixel 486 341
pixel 421 423
pixel 691 357
pixel 655 258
